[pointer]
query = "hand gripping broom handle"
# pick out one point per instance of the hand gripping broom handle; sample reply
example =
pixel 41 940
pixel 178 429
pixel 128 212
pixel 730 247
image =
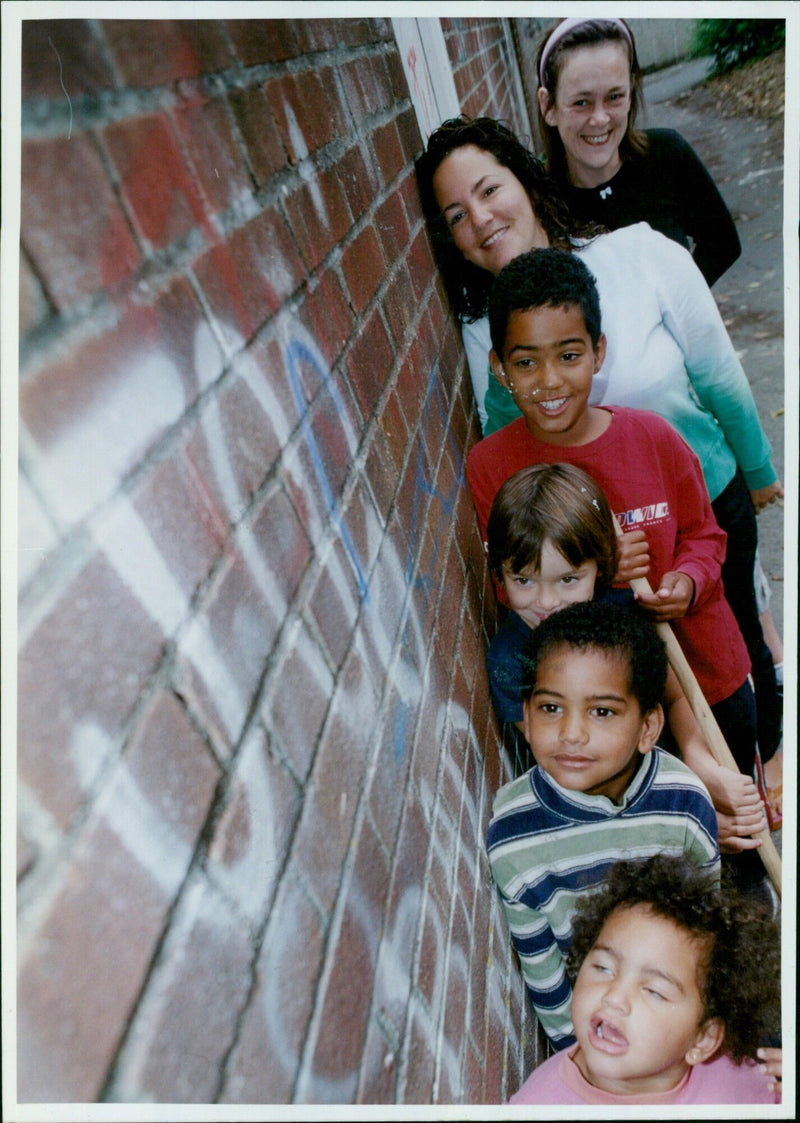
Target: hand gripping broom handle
pixel 708 723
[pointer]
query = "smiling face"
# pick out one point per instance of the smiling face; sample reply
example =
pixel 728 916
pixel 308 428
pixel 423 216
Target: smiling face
pixel 590 110
pixel 585 727
pixel 535 593
pixel 486 208
pixel 637 1007
pixel 548 363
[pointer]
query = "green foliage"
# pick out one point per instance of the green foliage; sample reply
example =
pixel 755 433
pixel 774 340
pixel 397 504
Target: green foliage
pixel 733 42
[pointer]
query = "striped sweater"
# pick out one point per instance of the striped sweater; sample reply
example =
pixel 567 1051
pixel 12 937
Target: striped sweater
pixel 549 846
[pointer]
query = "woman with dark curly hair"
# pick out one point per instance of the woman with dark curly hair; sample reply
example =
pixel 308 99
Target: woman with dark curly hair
pixel 676 986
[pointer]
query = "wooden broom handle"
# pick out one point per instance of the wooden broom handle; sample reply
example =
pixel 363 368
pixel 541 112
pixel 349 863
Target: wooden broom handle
pixel 707 722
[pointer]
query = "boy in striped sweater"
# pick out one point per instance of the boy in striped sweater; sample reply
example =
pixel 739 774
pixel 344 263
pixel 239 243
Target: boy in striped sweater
pixel 601 791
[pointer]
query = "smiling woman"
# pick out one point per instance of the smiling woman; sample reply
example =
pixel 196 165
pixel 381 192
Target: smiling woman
pixel 608 170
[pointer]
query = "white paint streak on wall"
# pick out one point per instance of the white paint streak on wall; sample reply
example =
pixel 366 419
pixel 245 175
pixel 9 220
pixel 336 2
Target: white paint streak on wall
pixel 144 831
pixel 199 646
pixel 86 461
pixel 248 877
pixel 123 536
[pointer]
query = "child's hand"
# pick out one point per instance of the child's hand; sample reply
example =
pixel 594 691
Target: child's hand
pixel 633 557
pixel 764 495
pixel 735 833
pixel 672 598
pixel 731 792
pixel 772 1067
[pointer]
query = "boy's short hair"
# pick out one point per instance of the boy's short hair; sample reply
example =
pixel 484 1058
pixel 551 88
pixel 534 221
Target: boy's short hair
pixel 559 503
pixel 610 628
pixel 740 962
pixel 548 278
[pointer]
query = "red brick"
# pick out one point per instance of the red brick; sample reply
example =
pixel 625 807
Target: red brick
pixel 388 151
pixel 360 32
pixel 377 1082
pixel 72 226
pixel 258 41
pixel 91 656
pixel 307 110
pixel 394 974
pixel 367 86
pixel 155 181
pixel 412 145
pixel 218 165
pixel 389 781
pixel 385 608
pixel 420 1057
pixel 458 978
pixel 178 1053
pixel 160 52
pixel 262 142
pixel 329 442
pixel 338 776
pixel 318 216
pixel 359 180
pixel 370 362
pixel 363 267
pixel 246 278
pixel 60 50
pixel 222 655
pixel 80 977
pixel 327 315
pixel 299 695
pixel 231 450
pixel 337 1053
pixel 172 767
pixel 334 603
pixel 264 1063
pixel 381 474
pixel 472 1071
pixel 399 305
pixel 393 427
pixel 420 264
pixel 392 228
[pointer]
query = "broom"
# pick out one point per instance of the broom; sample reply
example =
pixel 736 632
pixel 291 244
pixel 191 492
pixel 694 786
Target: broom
pixel 707 723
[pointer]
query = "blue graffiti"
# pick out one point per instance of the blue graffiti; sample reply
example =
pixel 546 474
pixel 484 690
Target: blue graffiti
pixel 423 487
pixel 298 352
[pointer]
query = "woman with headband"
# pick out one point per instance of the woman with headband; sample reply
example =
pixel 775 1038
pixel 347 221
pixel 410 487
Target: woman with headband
pixel 609 171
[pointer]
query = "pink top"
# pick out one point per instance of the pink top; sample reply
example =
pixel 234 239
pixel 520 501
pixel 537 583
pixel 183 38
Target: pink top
pixel 719 1081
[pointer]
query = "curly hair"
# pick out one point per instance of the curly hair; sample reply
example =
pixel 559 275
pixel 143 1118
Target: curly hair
pixel 610 628
pixel 466 284
pixel 588 33
pixel 558 503
pixel 739 969
pixel 543 279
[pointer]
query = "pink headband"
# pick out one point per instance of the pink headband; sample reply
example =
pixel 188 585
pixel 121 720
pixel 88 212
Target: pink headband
pixel 562 29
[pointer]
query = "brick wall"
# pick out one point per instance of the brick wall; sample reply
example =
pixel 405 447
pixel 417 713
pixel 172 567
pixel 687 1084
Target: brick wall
pixel 256 752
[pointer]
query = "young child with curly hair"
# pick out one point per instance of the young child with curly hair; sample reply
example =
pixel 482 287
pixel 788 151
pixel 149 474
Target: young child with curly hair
pixel 676 986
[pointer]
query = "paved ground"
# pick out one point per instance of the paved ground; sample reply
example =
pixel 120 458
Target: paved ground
pixel 745 156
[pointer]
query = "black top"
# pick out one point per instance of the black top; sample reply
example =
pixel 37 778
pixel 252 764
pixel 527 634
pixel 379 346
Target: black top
pixel 670 188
